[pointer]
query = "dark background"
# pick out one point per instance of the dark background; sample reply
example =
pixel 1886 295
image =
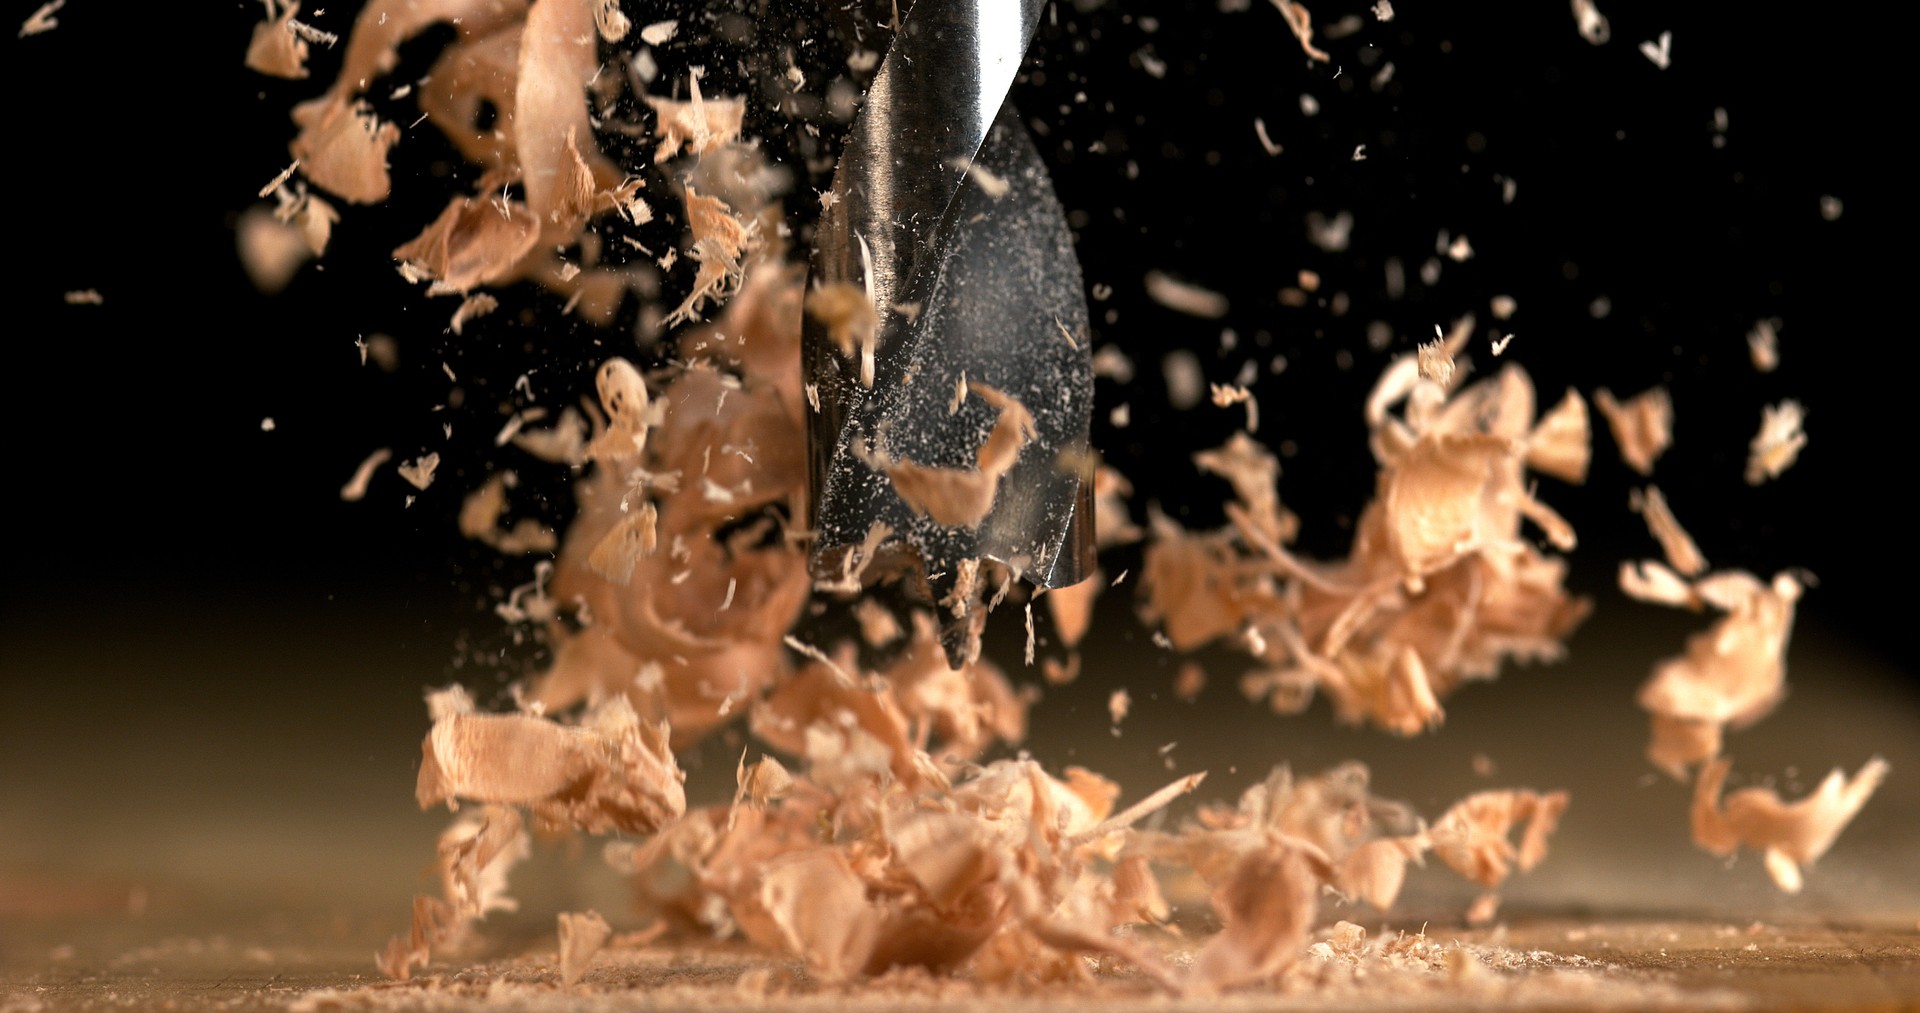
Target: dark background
pixel 190 611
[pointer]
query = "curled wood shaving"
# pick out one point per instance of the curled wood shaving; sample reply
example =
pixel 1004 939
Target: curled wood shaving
pixel 699 125
pixel 1301 24
pixel 1642 426
pixel 480 516
pixel 1561 445
pixel 610 772
pixel 343 148
pixel 1763 347
pixel 1228 394
pixel 721 240
pixel 275 49
pixel 958 497
pixel 474 242
pixel 1072 608
pixel 1790 836
pixel 356 487
pixel 1733 673
pixel 475 854
pixel 1682 554
pixel 624 397
pixel 1592 23
pixel 1473 836
pixel 614 23
pixel 419 471
pixel 557 58
pixel 845 309
pixel 581 937
pixel 1185 297
pixel 634 538
pixel 42 19
pixel 1778 443
pixel 271 251
pixel 820 908
pixel 477 305
pixel 1267 908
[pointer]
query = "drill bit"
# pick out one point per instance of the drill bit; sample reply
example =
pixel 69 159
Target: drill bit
pixel 973 367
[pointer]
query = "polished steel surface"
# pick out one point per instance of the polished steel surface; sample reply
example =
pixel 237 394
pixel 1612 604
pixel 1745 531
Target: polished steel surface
pixel 966 281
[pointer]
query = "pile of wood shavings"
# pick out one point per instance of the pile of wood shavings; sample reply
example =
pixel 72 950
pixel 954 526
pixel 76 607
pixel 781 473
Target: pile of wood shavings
pixel 1440 587
pixel 890 847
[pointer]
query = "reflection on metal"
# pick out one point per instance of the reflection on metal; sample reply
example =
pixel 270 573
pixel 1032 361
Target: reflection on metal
pixel 963 282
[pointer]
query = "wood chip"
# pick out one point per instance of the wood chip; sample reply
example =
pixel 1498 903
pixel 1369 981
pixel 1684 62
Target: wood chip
pixel 581 937
pixel 419 471
pixel 1778 443
pixel 1473 836
pixel 1790 836
pixel 472 307
pixel 1763 347
pixel 1300 23
pixel 610 772
pixel 356 487
pixel 962 498
pixel 42 19
pixel 698 125
pixel 1732 673
pixel 1682 554
pixel 1591 23
pixel 1642 426
pixel 1185 297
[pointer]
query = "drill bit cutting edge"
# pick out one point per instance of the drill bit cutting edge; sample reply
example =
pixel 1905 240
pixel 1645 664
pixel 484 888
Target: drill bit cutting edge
pixel 946 340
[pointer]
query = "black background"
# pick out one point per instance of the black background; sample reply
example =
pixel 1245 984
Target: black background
pixel 143 490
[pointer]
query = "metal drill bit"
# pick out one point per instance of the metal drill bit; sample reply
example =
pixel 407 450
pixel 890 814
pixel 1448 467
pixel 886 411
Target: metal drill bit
pixel 943 216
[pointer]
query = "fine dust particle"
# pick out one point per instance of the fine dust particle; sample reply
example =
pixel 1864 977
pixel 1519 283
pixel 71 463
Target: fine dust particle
pixel 266 424
pixel 1184 297
pixel 1383 10
pixel 1185 384
pixel 1503 307
pixel 1118 704
pixel 85 297
pixel 1830 207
